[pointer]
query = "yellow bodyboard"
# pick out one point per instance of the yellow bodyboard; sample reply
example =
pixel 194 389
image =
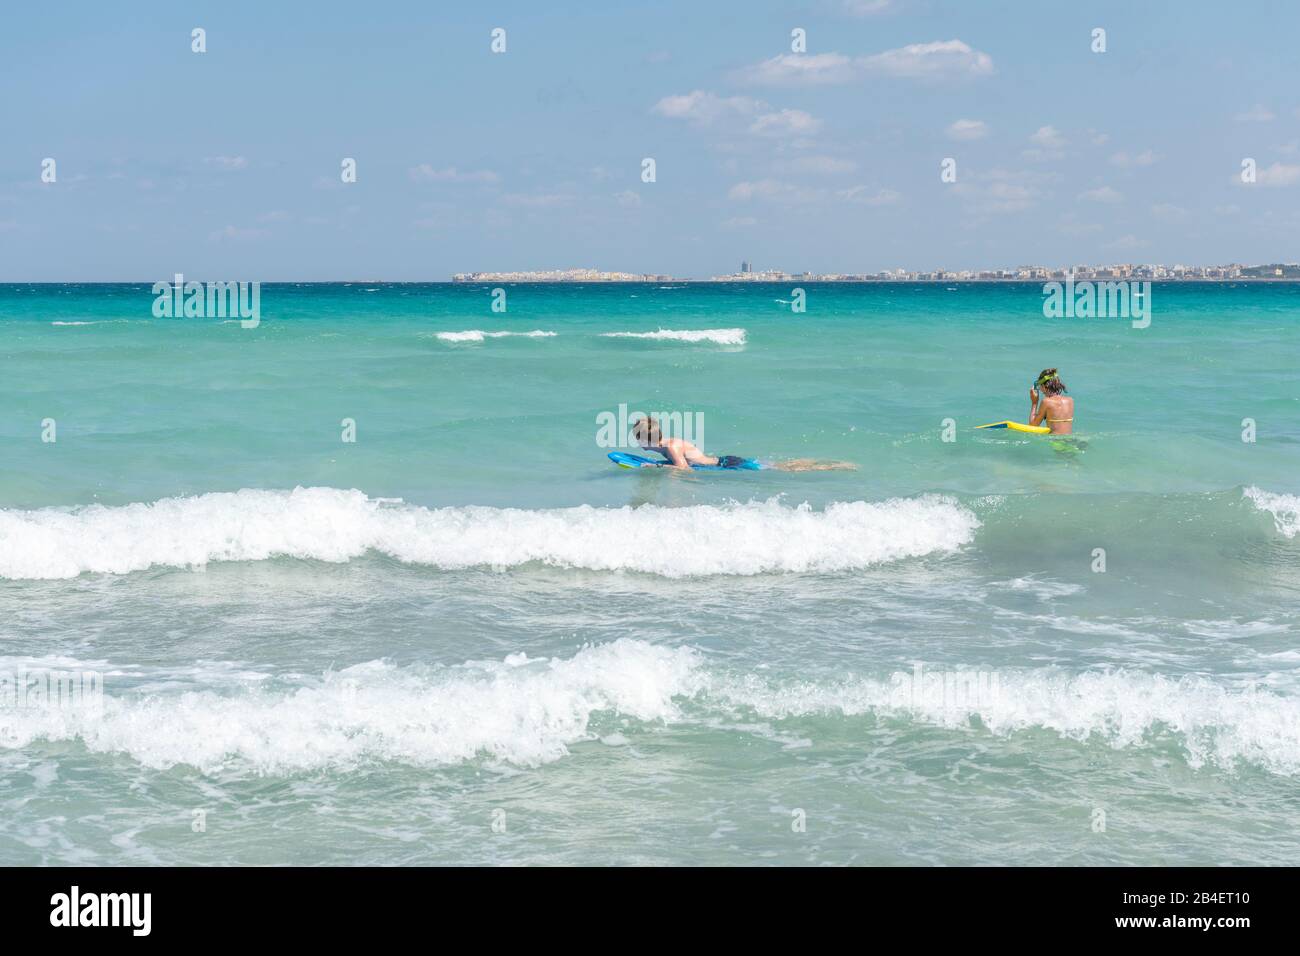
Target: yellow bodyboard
pixel 1018 427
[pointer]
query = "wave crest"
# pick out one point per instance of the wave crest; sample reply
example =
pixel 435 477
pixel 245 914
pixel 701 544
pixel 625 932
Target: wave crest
pixel 532 711
pixel 1285 509
pixel 1212 724
pixel 478 335
pixel 718 336
pixel 519 711
pixel 330 524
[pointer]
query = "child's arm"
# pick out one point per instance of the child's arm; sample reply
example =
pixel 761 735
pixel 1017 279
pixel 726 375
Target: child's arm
pixel 676 459
pixel 1039 413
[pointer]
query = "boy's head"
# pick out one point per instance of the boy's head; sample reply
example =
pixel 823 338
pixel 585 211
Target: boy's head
pixel 646 431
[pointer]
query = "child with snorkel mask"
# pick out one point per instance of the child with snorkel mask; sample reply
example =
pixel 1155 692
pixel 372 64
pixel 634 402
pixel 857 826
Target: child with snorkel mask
pixel 1050 403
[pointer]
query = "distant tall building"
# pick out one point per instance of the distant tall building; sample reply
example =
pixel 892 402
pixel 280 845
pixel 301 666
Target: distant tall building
pixel 746 268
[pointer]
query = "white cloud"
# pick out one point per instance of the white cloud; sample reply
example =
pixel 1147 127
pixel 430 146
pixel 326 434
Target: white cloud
pixel 864 196
pixel 627 198
pixel 1168 210
pixel 1102 194
pixel 938 60
pixel 536 201
pixel 1256 114
pixel 704 108
pixel 1127 243
pixel 1049 137
pixel 823 165
pixel 998 174
pixel 1279 174
pixel 227 162
pixel 968 129
pixel 775 190
pixel 799 69
pixel 236 234
pixel 1071 226
pixel 943 59
pixel 785 123
pixel 1125 161
pixel 866 8
pixel 424 173
pixel 1000 191
pixel 740 222
pixel 1008 197
pixel 1049 144
pixel 763 189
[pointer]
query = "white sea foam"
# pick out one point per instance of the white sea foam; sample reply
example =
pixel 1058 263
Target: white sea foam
pixel 520 711
pixel 1043 590
pixel 718 336
pixel 478 335
pixel 1285 509
pixel 529 712
pixel 1234 630
pixel 1212 724
pixel 93 322
pixel 330 524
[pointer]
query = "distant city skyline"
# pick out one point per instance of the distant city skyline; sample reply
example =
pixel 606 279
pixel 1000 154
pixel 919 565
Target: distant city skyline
pixel 839 134
pixel 1026 273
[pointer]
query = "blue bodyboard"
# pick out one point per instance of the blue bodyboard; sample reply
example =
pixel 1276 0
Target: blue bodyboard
pixel 627 460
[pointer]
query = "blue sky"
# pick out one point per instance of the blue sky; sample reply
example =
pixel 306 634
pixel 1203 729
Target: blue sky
pixel 226 164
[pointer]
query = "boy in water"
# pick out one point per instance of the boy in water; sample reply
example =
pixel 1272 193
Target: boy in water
pixel 683 454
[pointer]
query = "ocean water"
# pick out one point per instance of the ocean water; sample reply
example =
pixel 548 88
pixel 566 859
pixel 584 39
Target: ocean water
pixel 466 638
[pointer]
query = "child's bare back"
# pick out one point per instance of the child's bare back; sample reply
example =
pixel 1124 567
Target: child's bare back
pixel 683 454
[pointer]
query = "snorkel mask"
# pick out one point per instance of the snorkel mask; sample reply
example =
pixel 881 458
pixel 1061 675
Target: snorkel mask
pixel 1044 379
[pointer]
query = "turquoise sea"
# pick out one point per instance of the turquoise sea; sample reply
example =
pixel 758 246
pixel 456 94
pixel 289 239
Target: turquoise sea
pixel 465 637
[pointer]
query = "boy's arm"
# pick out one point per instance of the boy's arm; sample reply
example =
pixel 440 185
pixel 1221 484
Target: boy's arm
pixel 677 459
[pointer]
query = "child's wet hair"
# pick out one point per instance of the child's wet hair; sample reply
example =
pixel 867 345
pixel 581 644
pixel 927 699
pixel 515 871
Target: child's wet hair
pixel 1050 382
pixel 646 429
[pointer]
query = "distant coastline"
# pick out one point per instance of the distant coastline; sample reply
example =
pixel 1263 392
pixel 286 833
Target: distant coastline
pixel 1234 272
pixel 819 280
pixel 1189 280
